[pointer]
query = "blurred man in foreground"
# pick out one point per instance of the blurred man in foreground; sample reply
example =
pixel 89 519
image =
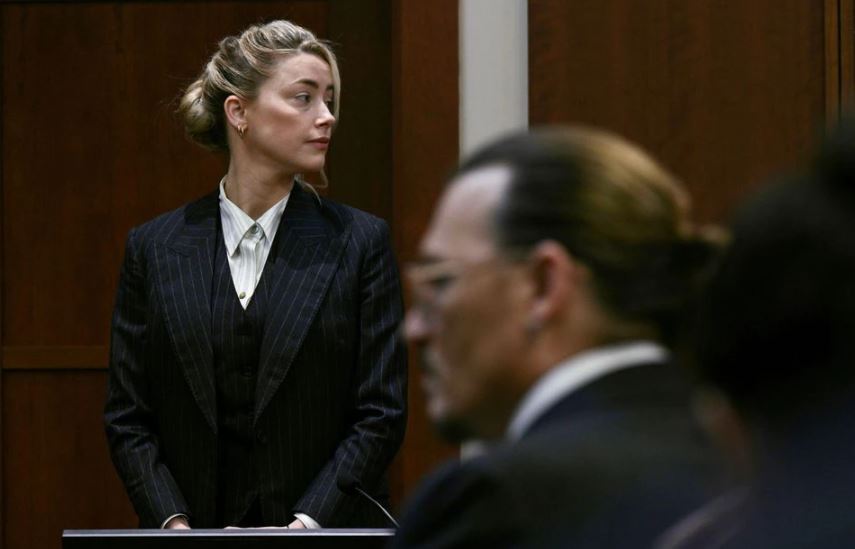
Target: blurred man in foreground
pixel 777 338
pixel 552 279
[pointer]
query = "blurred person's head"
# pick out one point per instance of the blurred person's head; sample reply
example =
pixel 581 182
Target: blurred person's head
pixel 543 245
pixel 777 329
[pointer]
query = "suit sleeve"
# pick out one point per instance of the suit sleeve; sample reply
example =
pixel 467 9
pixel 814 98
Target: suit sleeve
pixel 129 421
pixel 379 392
pixel 463 506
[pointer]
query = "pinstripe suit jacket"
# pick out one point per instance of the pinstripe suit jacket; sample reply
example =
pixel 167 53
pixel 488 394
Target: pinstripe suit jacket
pixel 331 391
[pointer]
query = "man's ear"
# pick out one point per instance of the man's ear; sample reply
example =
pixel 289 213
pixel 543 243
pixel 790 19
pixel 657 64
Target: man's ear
pixel 235 109
pixel 555 276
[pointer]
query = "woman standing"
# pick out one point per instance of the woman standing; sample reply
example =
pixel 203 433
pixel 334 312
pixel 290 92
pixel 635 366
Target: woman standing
pixel 254 356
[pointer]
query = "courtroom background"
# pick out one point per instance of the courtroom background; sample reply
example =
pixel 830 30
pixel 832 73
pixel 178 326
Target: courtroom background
pixel 725 92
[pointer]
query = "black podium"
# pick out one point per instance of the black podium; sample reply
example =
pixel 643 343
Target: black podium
pixel 249 538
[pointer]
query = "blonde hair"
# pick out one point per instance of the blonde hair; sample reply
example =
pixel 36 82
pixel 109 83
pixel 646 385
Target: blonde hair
pixel 240 65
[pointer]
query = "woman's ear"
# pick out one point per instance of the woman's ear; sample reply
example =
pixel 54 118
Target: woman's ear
pixel 554 277
pixel 235 109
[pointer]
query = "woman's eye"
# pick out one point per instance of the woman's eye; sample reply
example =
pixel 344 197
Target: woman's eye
pixel 304 98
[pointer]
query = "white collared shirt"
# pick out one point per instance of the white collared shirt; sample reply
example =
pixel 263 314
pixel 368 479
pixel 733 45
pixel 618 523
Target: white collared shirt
pixel 248 242
pixel 578 371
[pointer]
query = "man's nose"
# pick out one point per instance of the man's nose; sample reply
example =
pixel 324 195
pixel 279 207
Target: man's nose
pixel 415 326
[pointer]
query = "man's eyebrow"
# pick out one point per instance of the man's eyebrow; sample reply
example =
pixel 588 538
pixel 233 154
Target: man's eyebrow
pixel 426 260
pixel 429 268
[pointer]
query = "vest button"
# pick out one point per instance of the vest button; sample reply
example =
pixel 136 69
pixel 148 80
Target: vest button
pixel 261 438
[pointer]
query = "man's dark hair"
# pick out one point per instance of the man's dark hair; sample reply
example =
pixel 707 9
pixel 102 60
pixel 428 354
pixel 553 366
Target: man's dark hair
pixel 612 207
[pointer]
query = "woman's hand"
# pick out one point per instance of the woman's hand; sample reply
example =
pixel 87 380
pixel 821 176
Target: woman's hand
pixel 178 523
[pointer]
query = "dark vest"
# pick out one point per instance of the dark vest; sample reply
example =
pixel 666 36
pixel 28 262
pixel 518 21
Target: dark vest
pixel 236 336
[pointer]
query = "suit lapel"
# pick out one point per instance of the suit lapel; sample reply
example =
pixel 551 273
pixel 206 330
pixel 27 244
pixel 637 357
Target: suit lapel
pixel 186 277
pixel 305 257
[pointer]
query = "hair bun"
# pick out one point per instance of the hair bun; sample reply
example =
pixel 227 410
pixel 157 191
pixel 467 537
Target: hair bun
pixel 668 287
pixel 199 116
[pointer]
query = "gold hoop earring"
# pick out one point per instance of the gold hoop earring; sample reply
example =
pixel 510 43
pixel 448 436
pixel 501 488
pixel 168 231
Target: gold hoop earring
pixel 241 131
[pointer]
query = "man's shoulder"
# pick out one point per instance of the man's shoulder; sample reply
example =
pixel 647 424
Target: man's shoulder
pixel 462 504
pixel 561 485
pixel 600 452
pixel 612 448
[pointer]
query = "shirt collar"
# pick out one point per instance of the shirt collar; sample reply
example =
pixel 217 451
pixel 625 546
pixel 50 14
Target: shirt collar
pixel 575 372
pixel 236 222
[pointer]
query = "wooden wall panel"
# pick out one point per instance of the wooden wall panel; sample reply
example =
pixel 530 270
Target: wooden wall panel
pixel 360 159
pixel 57 469
pixel 2 285
pixel 839 57
pixel 847 54
pixel 833 61
pixel 725 93
pixel 425 150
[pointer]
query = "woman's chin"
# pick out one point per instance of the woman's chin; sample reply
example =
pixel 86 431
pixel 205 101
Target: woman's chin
pixel 312 167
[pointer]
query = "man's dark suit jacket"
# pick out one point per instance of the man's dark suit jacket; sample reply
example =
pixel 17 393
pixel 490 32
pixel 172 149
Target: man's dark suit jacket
pixel 610 465
pixel 331 388
pixel 801 494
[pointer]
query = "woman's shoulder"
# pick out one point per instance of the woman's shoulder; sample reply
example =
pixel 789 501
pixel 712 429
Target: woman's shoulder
pixel 350 214
pixel 359 223
pixel 344 218
pixel 200 212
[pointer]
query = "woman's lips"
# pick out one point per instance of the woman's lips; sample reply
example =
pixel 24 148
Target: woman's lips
pixel 321 142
